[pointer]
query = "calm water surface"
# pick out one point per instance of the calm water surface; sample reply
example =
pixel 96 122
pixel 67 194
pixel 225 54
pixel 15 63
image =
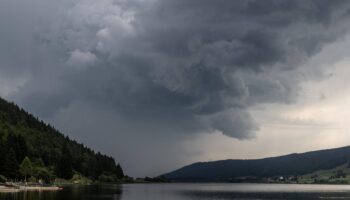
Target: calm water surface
pixel 189 192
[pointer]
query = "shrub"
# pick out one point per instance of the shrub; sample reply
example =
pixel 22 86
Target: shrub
pixel 2 179
pixel 107 178
pixel 44 174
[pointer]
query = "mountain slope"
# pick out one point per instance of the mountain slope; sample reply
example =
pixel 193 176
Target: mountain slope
pixel 288 165
pixel 52 154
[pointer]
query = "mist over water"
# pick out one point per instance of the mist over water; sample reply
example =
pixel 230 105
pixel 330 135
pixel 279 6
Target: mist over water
pixel 207 191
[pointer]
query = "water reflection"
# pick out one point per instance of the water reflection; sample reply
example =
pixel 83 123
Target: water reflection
pixel 235 191
pixel 93 192
pixel 263 195
pixel 189 192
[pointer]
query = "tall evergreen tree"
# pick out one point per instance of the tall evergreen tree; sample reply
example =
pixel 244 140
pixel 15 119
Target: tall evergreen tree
pixel 119 171
pixel 2 156
pixel 10 167
pixel 63 168
pixel 18 144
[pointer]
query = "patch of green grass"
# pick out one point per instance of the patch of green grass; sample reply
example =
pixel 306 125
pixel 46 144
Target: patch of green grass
pixel 330 176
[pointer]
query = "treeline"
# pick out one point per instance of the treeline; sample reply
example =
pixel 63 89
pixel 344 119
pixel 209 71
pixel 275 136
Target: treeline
pixel 291 165
pixel 50 154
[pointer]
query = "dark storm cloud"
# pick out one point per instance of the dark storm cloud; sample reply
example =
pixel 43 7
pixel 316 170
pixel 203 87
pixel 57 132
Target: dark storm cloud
pixel 150 73
pixel 195 65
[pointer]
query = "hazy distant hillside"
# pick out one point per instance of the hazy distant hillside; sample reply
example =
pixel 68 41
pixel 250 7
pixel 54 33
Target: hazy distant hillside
pixel 52 154
pixel 289 165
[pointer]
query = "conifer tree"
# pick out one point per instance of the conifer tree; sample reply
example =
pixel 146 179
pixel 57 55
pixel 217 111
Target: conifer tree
pixel 119 171
pixel 63 168
pixel 10 167
pixel 22 134
pixel 26 168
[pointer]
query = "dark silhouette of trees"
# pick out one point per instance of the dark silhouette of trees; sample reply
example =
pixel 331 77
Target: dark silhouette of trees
pixel 52 154
pixel 63 167
pixel 10 166
pixel 119 171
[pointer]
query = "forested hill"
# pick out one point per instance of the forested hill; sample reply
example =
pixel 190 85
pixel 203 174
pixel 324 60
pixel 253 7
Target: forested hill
pixel 288 165
pixel 50 154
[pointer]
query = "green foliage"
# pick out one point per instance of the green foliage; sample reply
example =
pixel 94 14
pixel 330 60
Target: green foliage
pixel 340 174
pixel 108 178
pixel 337 175
pixel 79 179
pixel 52 153
pixel 2 179
pixel 43 173
pixel 288 165
pixel 32 179
pixel 26 167
pixel 64 168
pixel 10 166
pixel 38 163
pixel 119 171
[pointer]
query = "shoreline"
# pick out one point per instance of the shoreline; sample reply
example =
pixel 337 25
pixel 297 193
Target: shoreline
pixel 4 189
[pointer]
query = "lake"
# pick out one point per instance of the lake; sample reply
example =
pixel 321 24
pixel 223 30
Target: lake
pixel 188 191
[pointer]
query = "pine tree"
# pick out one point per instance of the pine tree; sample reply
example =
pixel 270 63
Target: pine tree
pixel 10 167
pixel 119 171
pixel 18 144
pixel 2 156
pixel 63 168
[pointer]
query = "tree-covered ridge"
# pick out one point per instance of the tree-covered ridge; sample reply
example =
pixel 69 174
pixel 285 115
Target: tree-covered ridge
pixel 52 154
pixel 288 165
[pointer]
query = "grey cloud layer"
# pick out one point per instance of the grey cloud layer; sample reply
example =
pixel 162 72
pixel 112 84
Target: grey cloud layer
pixel 179 66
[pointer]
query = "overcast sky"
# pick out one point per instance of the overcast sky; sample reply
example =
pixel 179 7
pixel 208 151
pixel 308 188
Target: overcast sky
pixel 163 83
